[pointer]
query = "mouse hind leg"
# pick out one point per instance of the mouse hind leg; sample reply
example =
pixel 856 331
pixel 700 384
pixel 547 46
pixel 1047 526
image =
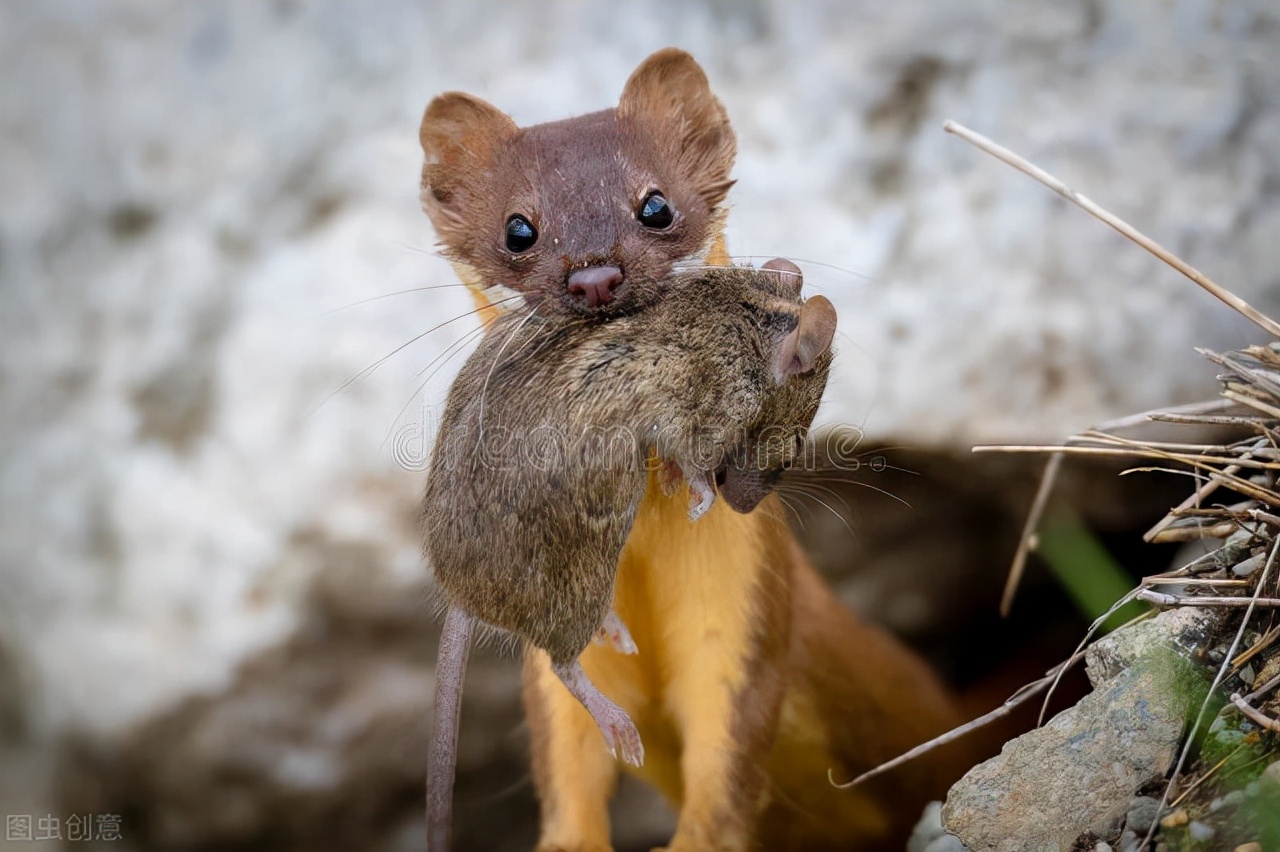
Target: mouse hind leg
pixel 620 734
pixel 574 777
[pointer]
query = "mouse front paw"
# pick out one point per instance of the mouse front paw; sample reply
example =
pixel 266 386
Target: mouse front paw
pixel 702 494
pixel 669 477
pixel 614 634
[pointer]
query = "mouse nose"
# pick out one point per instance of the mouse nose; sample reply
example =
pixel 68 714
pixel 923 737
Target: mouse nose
pixel 596 284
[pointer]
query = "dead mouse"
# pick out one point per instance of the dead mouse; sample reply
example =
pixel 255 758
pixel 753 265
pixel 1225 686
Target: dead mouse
pixel 543 453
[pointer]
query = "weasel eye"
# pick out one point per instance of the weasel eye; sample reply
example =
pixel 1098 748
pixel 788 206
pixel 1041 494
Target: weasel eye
pixel 521 235
pixel 655 212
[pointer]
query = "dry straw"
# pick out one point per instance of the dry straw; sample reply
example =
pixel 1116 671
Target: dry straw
pixel 1238 578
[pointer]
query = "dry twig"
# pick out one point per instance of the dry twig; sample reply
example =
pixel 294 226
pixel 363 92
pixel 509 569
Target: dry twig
pixel 1115 222
pixel 1254 713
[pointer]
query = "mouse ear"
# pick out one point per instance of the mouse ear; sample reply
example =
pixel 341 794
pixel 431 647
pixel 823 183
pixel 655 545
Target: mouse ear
pixel 800 350
pixel 669 94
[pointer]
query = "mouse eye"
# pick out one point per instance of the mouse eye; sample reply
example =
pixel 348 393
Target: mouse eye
pixel 521 235
pixel 655 212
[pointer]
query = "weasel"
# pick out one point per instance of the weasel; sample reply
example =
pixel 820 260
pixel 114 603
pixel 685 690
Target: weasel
pixel 542 456
pixel 753 682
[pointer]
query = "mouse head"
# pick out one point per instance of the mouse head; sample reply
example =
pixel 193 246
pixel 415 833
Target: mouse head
pixel 801 361
pixel 588 214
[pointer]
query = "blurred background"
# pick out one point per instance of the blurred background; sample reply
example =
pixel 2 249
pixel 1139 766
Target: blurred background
pixel 214 617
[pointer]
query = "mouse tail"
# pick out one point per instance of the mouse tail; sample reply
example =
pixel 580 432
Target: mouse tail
pixel 442 760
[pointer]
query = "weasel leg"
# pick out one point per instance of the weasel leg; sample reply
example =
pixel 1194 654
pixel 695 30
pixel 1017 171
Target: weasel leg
pixel 442 760
pixel 614 634
pixel 620 733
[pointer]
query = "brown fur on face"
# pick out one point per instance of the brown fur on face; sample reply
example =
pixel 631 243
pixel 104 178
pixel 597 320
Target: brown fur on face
pixel 581 182
pixel 541 459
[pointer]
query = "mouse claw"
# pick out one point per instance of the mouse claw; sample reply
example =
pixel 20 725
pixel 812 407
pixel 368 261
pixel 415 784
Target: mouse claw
pixel 614 634
pixel 628 741
pixel 701 496
pixel 620 736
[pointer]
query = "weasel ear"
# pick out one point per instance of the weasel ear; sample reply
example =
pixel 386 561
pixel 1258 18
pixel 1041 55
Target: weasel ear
pixel 800 350
pixel 459 135
pixel 670 95
pixel 457 125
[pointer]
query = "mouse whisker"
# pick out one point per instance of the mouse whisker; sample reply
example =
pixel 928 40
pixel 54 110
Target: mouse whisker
pixel 429 252
pixel 800 261
pixel 829 508
pixel 811 487
pixel 888 494
pixel 782 498
pixel 484 388
pixel 376 364
pixel 448 355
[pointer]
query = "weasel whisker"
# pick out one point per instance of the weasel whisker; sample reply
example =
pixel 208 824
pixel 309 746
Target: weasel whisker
pixel 357 304
pixel 376 364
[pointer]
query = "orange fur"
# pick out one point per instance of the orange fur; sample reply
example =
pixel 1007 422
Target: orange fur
pixel 829 692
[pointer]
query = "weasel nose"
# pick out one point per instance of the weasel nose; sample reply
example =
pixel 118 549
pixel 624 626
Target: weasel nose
pixel 596 284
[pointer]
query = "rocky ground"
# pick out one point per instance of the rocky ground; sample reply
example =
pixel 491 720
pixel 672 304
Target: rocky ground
pixel 213 616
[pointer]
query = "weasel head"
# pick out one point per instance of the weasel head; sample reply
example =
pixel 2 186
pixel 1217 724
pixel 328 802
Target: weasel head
pixel 588 215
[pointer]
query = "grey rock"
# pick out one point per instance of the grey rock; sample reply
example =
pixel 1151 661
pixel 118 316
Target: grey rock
pixel 1248 566
pixel 1232 799
pixel 1272 773
pixel 1077 774
pixel 1178 630
pixel 1142 812
pixel 946 843
pixel 1200 831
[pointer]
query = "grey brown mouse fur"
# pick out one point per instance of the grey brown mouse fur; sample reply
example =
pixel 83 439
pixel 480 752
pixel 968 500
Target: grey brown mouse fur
pixel 544 450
